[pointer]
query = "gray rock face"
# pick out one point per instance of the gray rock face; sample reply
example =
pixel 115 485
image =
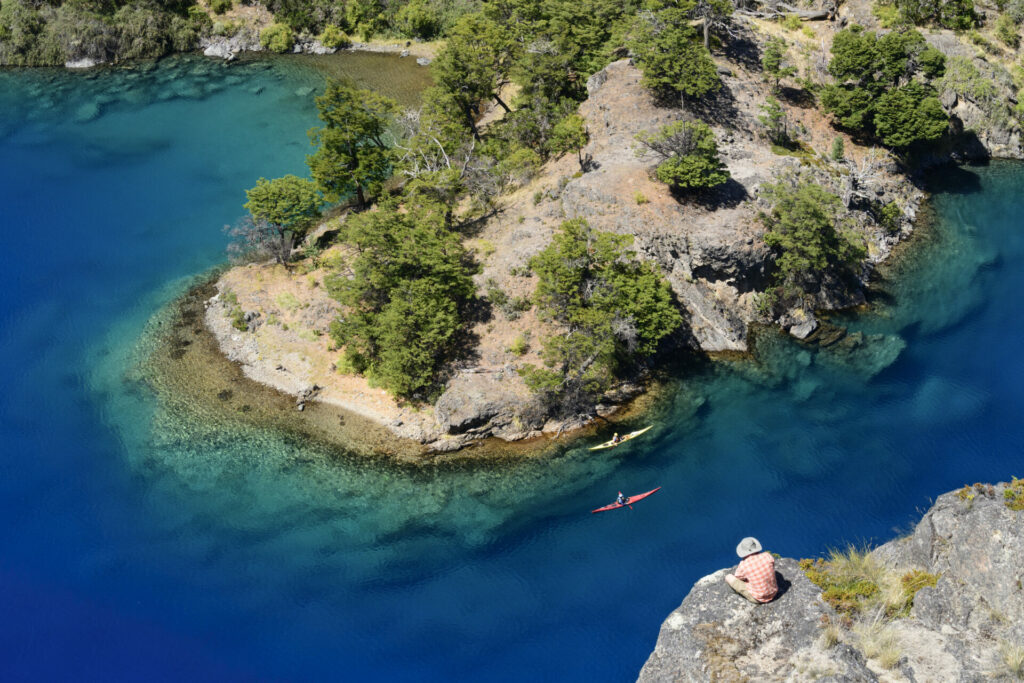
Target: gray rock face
pixel 716 635
pixel 228 47
pixel 83 63
pixel 976 546
pixel 958 631
pixel 476 403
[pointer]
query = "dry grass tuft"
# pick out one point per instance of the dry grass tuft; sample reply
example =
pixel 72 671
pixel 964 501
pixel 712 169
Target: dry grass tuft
pixel 879 642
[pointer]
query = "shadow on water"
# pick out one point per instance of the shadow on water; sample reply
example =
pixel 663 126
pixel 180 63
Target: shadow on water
pixel 954 179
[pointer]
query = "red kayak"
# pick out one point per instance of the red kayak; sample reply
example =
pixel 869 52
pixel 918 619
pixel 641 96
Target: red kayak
pixel 629 502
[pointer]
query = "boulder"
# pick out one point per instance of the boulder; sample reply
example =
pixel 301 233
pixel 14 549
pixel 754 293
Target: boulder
pixel 717 635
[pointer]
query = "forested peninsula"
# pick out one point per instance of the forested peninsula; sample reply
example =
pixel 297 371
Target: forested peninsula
pixel 589 192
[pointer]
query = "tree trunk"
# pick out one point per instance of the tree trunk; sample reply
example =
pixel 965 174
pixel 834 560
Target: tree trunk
pixel 472 124
pixel 360 196
pixel 503 105
pixel 285 248
pixel 707 34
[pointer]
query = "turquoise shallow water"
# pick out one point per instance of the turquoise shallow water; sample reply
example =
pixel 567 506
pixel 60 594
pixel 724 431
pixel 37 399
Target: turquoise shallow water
pixel 148 539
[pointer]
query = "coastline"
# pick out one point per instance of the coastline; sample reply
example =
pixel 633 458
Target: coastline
pixel 187 362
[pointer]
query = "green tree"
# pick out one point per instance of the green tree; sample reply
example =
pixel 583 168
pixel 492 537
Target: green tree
pixel 951 14
pixel 876 76
pixel 773 61
pixel 473 65
pixel 614 309
pixel 570 135
pixel 712 14
pixel 773 118
pixel 669 54
pixel 810 238
pixel 353 156
pixel 417 19
pixel 405 296
pixel 689 155
pixel 288 205
pixel 909 114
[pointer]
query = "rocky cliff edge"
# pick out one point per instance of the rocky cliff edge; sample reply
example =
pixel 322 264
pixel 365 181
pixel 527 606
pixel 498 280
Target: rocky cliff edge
pixel 969 626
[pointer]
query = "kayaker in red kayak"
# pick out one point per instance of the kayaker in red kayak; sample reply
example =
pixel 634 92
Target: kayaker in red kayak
pixel 621 500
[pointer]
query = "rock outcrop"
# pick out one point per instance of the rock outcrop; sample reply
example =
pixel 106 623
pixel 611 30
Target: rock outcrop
pixel 968 627
pixel 716 635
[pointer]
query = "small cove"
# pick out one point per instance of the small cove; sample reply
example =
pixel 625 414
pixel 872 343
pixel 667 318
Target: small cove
pixel 154 540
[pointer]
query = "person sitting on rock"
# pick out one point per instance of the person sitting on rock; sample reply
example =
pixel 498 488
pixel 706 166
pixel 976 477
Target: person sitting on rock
pixel 755 576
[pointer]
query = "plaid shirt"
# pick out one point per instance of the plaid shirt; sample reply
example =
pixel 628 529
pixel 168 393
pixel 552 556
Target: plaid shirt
pixel 758 570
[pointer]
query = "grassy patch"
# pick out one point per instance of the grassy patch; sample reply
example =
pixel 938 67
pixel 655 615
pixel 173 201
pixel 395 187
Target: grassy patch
pixel 288 302
pixel 639 198
pixel 879 642
pixel 846 588
pixel 1013 495
pixel 1011 661
pixel 798 150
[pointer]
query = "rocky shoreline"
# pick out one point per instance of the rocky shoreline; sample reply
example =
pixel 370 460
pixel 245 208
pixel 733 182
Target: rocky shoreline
pixel 968 625
pixel 186 364
pixel 230 48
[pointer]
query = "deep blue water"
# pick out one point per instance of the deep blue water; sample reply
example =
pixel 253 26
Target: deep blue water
pixel 143 540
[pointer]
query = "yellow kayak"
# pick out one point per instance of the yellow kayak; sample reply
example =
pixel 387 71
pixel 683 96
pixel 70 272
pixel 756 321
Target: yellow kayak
pixel 622 439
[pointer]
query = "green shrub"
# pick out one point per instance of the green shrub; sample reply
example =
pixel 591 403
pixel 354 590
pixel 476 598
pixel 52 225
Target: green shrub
pixel 640 198
pixel 238 319
pixel 689 155
pixel 350 363
pixel 519 345
pixel 405 297
pixel 1014 495
pixel 848 579
pixel 277 38
pixel 518 167
pixel 791 22
pixel 417 19
pixel 889 216
pixel 806 228
pixel 838 150
pixel 952 14
pixel 333 37
pixel 776 125
pixel 220 6
pixel 1006 31
pixel 773 61
pixel 888 15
